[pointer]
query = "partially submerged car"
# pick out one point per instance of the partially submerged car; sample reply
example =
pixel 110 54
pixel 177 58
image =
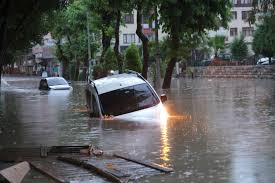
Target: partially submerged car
pixel 54 83
pixel 125 96
pixel 265 61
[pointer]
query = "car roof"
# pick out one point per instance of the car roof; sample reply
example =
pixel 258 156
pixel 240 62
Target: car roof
pixel 117 81
pixel 53 78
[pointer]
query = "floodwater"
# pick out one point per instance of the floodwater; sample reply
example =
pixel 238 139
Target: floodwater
pixel 219 130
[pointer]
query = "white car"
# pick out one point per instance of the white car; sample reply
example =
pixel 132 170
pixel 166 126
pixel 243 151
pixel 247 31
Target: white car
pixel 126 96
pixel 54 83
pixel 265 61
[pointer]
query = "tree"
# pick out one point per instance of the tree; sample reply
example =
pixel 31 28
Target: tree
pixel 143 7
pixel 118 6
pixel 184 18
pixel 69 27
pixel 132 58
pixel 239 48
pixel 264 40
pixel 110 60
pixel 20 25
pixel 217 42
pixel 261 9
pixel 105 21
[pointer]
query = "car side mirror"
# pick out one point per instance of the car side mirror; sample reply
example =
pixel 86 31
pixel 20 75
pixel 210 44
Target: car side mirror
pixel 69 82
pixel 163 98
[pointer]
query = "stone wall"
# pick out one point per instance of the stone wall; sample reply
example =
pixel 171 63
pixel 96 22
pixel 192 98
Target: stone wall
pixel 250 71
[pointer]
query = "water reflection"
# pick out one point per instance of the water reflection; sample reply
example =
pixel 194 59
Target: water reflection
pixel 217 130
pixel 165 147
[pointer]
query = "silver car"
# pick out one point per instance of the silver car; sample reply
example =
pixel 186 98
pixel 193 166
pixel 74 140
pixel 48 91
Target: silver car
pixel 54 83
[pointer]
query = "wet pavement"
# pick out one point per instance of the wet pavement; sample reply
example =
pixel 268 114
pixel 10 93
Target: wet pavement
pixel 219 130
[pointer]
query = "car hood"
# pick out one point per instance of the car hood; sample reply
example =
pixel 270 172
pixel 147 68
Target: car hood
pixel 60 87
pixel 152 114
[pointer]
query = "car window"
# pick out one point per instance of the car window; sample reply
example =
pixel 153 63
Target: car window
pixel 57 81
pixel 128 99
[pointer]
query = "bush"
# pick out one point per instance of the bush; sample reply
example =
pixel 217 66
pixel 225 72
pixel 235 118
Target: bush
pixel 133 61
pixel 264 39
pixel 99 71
pixel 239 49
pixel 110 61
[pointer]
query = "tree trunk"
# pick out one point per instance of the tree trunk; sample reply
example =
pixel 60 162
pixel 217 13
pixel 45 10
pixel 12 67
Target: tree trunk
pixel 86 68
pixel 1 69
pixel 168 73
pixel 64 60
pixel 106 43
pixel 65 68
pixel 3 30
pixel 116 48
pixel 106 39
pixel 171 64
pixel 144 40
pixel 76 74
pixel 158 59
pixel 269 60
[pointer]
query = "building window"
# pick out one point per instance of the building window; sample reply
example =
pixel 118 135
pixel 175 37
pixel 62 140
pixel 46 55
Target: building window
pixel 246 2
pixel 129 38
pixel 233 32
pixel 245 15
pixel 129 19
pixel 248 31
pixel 234 15
pixel 234 2
pixel 145 19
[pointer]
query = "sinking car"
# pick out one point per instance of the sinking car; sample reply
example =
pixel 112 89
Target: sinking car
pixel 125 96
pixel 265 61
pixel 54 83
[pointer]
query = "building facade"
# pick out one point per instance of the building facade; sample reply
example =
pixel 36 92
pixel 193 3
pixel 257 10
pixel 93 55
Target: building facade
pixel 239 24
pixel 128 34
pixel 45 58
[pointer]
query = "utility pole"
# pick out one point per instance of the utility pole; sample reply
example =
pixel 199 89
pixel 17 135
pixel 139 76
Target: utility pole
pixel 89 47
pixel 88 35
pixel 158 69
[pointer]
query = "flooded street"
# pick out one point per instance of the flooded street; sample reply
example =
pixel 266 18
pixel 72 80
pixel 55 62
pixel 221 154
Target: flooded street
pixel 219 130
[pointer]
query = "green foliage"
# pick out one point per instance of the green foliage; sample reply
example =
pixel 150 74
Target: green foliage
pixel 264 39
pixel 68 26
pixel 21 25
pixel 194 16
pixel 261 9
pixel 217 42
pixel 110 62
pixel 239 48
pixel 187 21
pixel 163 65
pixel 132 58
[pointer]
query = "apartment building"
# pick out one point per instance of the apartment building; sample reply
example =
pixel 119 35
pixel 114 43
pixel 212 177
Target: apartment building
pixel 239 23
pixel 128 30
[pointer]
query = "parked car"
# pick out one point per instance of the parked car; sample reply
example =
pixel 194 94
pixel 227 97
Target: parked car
pixel 54 83
pixel 126 96
pixel 265 61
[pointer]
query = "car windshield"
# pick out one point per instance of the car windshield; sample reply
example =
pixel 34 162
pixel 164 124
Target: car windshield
pixel 128 99
pixel 56 81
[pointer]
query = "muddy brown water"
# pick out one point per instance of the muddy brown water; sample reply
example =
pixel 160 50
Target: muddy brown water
pixel 219 130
